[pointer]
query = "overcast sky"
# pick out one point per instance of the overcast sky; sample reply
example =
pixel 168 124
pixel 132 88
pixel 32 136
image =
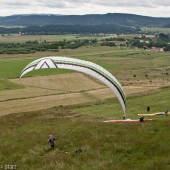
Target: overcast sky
pixel 157 8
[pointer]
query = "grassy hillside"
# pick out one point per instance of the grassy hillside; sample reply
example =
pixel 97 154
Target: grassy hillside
pixel 140 145
pixel 84 141
pixel 143 64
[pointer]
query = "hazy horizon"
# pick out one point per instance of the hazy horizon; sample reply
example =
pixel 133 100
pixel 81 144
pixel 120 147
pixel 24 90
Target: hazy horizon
pixel 153 8
pixel 28 14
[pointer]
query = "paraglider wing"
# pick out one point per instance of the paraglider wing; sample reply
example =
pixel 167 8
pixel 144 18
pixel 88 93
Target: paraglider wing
pixel 86 67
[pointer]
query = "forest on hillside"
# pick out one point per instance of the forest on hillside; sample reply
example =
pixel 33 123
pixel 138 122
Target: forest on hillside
pixel 91 19
pixel 70 29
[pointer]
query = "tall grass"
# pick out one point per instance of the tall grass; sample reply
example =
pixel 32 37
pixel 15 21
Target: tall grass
pixel 84 141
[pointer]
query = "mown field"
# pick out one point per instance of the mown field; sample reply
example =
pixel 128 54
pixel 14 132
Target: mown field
pixel 23 38
pixel 156 30
pixel 84 141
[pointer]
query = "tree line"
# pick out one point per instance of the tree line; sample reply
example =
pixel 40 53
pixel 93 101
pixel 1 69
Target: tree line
pixel 71 29
pixel 34 46
pixel 161 41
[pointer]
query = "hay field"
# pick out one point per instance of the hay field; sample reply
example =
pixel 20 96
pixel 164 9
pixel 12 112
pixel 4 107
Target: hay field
pixel 44 92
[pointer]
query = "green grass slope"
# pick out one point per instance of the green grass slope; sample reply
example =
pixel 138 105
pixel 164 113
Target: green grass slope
pixel 138 146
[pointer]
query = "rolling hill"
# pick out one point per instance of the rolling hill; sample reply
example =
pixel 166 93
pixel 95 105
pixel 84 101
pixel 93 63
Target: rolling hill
pixel 91 19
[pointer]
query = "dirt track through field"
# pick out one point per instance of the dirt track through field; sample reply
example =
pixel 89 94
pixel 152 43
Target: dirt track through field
pixel 50 91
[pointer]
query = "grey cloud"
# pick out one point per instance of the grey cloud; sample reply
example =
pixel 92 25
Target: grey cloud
pixel 14 3
pixel 77 3
pixel 62 4
pixel 132 3
pixel 119 3
pixel 18 4
pixel 56 5
pixel 159 7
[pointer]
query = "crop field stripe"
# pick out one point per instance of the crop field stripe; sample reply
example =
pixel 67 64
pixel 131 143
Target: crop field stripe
pixel 99 72
pixel 102 74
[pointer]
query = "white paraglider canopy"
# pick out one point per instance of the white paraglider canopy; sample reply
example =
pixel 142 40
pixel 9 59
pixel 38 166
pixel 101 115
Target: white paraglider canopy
pixel 86 67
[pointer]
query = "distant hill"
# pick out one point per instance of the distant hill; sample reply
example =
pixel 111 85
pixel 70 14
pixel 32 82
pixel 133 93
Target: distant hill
pixel 70 29
pixel 167 26
pixel 92 19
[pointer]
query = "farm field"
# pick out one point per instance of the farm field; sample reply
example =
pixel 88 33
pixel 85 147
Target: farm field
pixel 40 38
pixel 23 38
pixel 72 106
pixel 156 30
pixel 51 91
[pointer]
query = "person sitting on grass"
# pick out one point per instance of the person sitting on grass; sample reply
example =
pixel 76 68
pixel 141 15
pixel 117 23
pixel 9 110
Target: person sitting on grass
pixel 141 119
pixel 124 117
